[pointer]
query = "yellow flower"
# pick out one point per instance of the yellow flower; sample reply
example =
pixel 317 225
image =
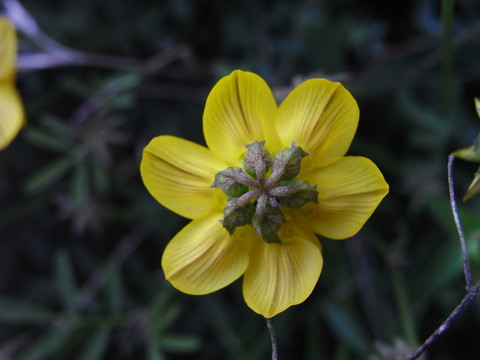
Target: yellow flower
pixel 287 178
pixel 11 110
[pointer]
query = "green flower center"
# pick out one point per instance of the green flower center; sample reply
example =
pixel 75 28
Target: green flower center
pixel 258 191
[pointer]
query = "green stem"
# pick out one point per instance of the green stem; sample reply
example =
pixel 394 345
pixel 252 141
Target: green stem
pixel 406 314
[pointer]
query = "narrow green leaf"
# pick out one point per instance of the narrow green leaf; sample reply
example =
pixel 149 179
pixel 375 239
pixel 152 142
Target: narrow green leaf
pixel 407 315
pixel 58 127
pixel 48 175
pixel 345 328
pixel 163 320
pixel 100 175
pixel 49 342
pixel 444 264
pixel 65 280
pixel 122 81
pixel 114 288
pixel 45 140
pixel 97 345
pixel 180 343
pixel 80 186
pixel 153 351
pixel 19 311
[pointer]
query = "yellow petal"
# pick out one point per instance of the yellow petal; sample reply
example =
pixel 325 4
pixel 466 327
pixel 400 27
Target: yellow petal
pixel 281 275
pixel 320 116
pixel 203 257
pixel 348 193
pixel 8 50
pixel 178 174
pixel 239 111
pixel 12 117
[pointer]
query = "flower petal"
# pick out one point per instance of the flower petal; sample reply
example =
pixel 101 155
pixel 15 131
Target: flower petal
pixel 178 174
pixel 203 257
pixel 8 50
pixel 239 111
pixel 320 116
pixel 281 275
pixel 348 193
pixel 12 116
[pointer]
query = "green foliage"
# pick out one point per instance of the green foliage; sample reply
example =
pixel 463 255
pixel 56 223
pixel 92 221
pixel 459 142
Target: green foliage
pixel 81 238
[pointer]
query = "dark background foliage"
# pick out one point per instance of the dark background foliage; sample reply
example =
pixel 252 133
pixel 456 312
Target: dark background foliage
pixel 81 239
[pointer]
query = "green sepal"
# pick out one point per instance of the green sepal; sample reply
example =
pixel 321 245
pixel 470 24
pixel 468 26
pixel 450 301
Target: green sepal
pixel 303 194
pixel 257 161
pixel 237 216
pixel 228 181
pixel 267 220
pixel 471 153
pixel 474 187
pixel 290 161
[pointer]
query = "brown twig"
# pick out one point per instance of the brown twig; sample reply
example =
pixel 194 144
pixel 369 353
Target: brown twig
pixel 451 190
pixel 467 300
pixel 101 98
pixel 472 290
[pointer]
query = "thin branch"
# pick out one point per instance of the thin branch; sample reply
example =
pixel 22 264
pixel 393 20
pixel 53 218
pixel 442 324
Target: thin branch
pixel 472 290
pixel 273 338
pixel 467 300
pixel 461 235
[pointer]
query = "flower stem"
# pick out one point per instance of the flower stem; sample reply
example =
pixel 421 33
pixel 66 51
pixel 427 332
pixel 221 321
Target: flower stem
pixel 472 289
pixel 461 236
pixel 273 338
pixel 467 300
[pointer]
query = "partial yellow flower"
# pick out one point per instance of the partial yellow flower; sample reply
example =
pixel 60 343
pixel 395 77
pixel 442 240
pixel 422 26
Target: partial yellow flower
pixel 12 116
pixel 270 179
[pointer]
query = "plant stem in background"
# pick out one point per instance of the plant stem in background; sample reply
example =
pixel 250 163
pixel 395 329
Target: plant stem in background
pixel 406 314
pixel 447 90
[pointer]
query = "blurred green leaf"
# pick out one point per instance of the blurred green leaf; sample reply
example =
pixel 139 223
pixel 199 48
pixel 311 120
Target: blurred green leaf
pixel 48 175
pixel 58 127
pixel 153 352
pixel 443 265
pixel 80 185
pixel 429 130
pixel 49 342
pixel 100 175
pixel 97 345
pixel 23 312
pixel 122 81
pixel 123 101
pixel 179 343
pixel 65 280
pixel 345 328
pixel 474 187
pixel 114 288
pixel 45 140
pixel 164 312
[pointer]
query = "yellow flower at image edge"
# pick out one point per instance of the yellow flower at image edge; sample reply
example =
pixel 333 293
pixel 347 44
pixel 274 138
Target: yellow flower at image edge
pixel 11 110
pixel 271 178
